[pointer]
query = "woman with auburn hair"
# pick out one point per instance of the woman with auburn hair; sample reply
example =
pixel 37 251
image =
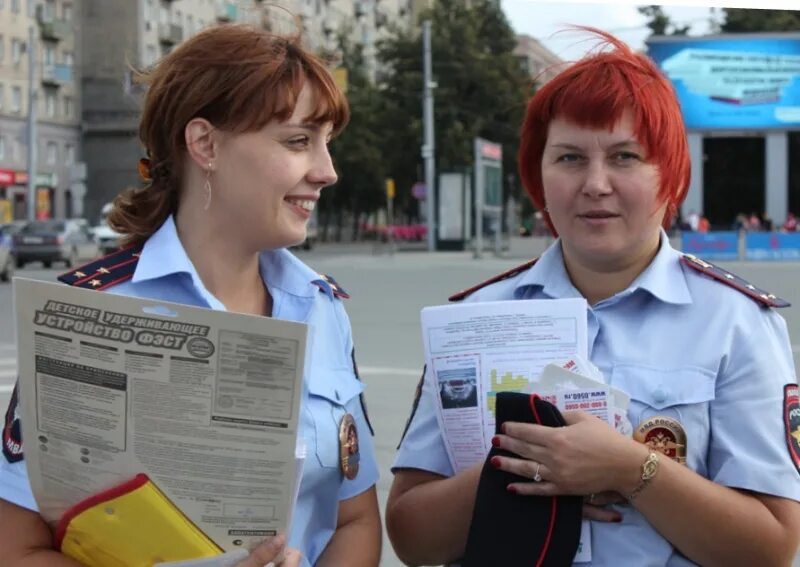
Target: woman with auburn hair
pixel 236 125
pixel 709 474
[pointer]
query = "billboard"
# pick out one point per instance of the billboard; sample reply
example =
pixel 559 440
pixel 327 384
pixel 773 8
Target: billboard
pixel 711 245
pixel 733 82
pixel 772 246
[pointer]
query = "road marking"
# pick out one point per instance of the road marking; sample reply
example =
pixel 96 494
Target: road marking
pixel 384 370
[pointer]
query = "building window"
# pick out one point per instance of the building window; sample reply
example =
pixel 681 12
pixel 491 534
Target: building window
pixel 2 46
pixel 69 58
pixel 69 110
pixel 2 96
pixel 69 154
pixel 15 6
pixel 189 24
pixel 66 12
pixel 50 104
pixel 164 15
pixel 16 99
pixel 15 149
pixel 178 18
pixel 16 51
pixel 49 55
pixel 49 10
pixel 2 4
pixel 52 153
pixel 2 147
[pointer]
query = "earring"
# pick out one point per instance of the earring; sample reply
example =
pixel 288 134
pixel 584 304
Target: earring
pixel 208 187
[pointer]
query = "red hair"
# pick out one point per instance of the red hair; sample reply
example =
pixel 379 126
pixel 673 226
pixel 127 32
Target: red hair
pixel 594 93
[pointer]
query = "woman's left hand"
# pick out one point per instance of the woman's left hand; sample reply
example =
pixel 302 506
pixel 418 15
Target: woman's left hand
pixel 585 457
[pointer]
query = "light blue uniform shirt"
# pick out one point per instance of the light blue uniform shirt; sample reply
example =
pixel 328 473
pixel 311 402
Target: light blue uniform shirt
pixel 331 388
pixel 683 346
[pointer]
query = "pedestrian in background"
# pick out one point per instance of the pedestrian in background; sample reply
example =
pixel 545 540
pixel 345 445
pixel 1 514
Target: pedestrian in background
pixel 711 474
pixel 236 125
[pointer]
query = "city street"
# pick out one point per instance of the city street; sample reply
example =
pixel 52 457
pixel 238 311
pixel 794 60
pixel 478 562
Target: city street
pixel 387 292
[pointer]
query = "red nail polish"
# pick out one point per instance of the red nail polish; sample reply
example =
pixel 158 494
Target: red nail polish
pixel 495 461
pixel 511 489
pixel 495 441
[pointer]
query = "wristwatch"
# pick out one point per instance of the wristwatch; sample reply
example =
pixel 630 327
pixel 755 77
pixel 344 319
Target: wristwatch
pixel 649 470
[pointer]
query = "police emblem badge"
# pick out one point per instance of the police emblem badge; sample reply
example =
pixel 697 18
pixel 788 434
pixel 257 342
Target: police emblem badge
pixel 665 435
pixel 791 420
pixel 349 455
pixel 12 430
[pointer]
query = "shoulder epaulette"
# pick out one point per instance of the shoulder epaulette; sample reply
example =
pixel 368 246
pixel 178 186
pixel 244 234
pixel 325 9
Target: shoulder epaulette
pixel 329 285
pixel 498 278
pixel 734 281
pixel 104 272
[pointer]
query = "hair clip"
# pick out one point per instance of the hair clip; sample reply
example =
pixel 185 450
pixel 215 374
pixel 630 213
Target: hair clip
pixel 145 171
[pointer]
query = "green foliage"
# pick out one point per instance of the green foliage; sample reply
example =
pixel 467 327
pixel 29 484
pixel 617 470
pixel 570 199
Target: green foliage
pixel 660 23
pixel 481 91
pixel 742 20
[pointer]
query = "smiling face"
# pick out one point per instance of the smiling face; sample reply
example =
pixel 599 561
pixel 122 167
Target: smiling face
pixel 601 191
pixel 268 181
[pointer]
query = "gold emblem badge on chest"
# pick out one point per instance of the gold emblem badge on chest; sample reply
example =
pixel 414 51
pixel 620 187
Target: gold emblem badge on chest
pixel 665 435
pixel 349 455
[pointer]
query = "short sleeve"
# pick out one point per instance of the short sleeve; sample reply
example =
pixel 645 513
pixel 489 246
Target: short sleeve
pixel 15 486
pixel 750 444
pixel 422 446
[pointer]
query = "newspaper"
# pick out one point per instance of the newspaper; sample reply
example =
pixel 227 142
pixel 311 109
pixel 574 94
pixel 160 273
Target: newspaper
pixel 204 402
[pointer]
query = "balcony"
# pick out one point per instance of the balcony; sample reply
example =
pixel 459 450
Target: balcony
pixel 227 12
pixel 56 75
pixel 54 30
pixel 170 34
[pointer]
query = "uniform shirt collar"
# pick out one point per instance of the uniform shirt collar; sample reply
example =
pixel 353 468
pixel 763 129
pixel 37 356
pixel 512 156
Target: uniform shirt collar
pixel 663 278
pixel 163 255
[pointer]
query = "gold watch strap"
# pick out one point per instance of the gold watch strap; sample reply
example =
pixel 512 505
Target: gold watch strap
pixel 649 470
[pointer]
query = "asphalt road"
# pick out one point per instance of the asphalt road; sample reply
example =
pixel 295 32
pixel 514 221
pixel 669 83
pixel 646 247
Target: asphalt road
pixel 387 293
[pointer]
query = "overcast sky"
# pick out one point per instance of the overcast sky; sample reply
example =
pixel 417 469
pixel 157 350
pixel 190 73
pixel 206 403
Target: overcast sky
pixel 541 19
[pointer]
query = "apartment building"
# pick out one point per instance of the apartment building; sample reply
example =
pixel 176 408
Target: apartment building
pixel 120 34
pixel 539 63
pixel 55 82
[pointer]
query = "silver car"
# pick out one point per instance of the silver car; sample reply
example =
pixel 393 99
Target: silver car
pixel 48 241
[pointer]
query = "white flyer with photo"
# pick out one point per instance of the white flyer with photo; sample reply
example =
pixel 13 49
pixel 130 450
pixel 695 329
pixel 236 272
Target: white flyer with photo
pixel 475 350
pixel 204 402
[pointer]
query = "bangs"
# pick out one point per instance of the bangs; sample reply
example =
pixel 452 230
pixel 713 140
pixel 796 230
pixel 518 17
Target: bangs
pixel 597 96
pixel 328 101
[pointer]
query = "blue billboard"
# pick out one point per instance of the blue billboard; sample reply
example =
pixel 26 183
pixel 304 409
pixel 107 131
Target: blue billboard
pixel 711 245
pixel 735 81
pixel 772 246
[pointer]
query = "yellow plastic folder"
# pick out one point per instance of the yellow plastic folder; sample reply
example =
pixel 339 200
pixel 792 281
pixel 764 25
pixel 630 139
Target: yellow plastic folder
pixel 131 525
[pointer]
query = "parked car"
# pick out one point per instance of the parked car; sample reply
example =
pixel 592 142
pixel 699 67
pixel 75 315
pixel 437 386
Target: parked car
pixel 7 261
pixel 106 237
pixel 68 241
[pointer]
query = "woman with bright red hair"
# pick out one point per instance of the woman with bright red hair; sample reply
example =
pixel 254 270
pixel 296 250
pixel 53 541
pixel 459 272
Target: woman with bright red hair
pixel 709 474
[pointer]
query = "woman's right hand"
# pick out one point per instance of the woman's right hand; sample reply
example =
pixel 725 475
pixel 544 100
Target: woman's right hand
pixel 268 550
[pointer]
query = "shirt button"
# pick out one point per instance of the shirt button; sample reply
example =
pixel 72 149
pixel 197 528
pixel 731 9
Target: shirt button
pixel 660 396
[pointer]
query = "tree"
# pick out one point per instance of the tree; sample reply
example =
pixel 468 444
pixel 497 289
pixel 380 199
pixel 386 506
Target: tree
pixel 481 90
pixel 742 20
pixel 660 23
pixel 356 152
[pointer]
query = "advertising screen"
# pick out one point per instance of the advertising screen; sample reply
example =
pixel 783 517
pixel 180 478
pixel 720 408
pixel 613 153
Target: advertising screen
pixel 733 82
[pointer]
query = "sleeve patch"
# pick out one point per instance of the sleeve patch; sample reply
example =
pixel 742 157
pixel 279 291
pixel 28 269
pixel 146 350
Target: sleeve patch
pixel 12 430
pixel 791 419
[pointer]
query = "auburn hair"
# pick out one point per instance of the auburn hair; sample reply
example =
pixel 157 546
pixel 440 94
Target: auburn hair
pixel 237 77
pixel 594 92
